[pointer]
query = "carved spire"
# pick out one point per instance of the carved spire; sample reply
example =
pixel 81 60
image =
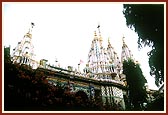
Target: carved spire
pixel 99 29
pixel 24 51
pixel 100 37
pixel 95 36
pixel 102 61
pixel 31 27
pixel 126 52
pixel 29 33
pixel 124 45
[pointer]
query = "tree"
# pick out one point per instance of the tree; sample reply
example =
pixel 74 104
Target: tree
pixel 136 83
pixel 148 21
pixel 7 54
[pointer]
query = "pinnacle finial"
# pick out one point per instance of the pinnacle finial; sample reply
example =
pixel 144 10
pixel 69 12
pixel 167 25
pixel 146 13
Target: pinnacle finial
pixel 98 26
pixel 95 33
pixel 99 29
pixel 109 40
pixel 123 39
pixel 32 24
pixel 30 29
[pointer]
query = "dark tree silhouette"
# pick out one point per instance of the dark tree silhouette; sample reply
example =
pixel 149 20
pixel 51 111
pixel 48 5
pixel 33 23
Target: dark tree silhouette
pixel 7 54
pixel 148 21
pixel 136 83
pixel 26 89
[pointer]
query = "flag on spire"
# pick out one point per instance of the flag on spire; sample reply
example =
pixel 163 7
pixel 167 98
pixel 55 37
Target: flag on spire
pixel 81 61
pixel 98 26
pixel 32 24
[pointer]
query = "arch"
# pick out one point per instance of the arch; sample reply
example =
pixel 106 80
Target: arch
pixel 82 95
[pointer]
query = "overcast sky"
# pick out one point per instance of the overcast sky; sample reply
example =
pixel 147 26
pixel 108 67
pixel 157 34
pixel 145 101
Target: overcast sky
pixel 65 31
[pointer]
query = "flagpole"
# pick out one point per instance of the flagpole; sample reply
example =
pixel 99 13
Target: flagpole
pixel 56 60
pixel 78 67
pixel 80 62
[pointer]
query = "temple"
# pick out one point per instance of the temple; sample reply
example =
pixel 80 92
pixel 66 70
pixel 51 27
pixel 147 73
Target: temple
pixel 102 76
pixel 23 53
pixel 104 65
pixel 103 62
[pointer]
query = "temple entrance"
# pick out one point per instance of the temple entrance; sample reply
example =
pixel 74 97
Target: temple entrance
pixel 82 95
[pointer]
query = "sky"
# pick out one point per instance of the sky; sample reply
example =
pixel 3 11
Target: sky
pixel 64 31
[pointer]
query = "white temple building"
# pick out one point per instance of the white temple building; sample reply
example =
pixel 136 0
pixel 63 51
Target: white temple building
pixel 23 53
pixel 103 62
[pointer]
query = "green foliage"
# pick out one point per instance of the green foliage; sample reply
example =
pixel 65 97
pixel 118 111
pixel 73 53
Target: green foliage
pixel 136 83
pixel 148 21
pixel 7 54
pixel 157 104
